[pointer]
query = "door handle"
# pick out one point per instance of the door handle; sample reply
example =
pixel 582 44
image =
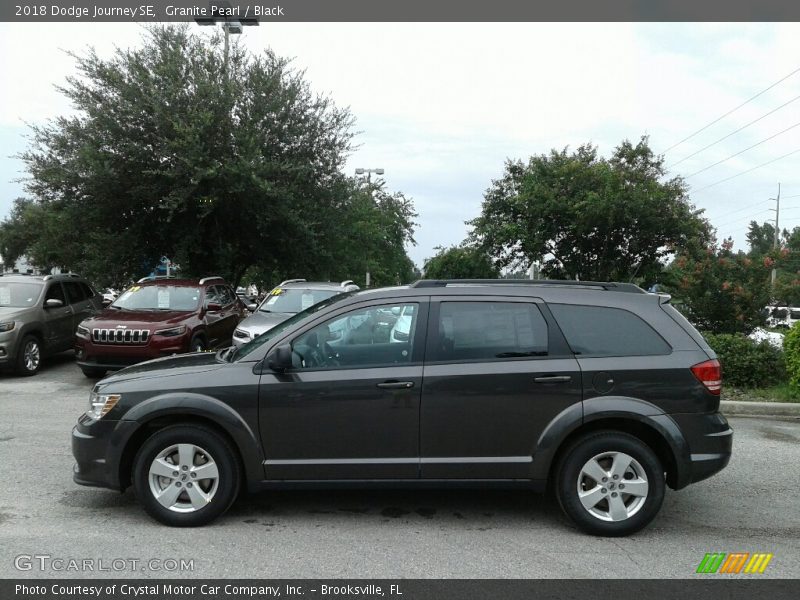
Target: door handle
pixel 553 379
pixel 396 385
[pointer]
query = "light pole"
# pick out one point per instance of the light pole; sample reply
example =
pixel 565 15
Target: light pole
pixel 230 25
pixel 369 172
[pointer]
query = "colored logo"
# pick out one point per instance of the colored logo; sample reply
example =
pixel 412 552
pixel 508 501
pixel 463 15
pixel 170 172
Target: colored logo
pixel 735 562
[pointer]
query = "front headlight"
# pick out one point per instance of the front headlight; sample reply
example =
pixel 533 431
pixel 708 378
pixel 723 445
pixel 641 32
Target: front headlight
pixel 100 404
pixel 7 326
pixel 172 331
pixel 84 331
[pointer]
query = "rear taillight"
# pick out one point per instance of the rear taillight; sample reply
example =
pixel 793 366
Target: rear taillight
pixel 709 373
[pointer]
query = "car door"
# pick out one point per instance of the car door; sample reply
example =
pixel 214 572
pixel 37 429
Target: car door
pixel 229 315
pixel 78 300
pixel 497 371
pixel 59 331
pixel 349 409
pixel 213 318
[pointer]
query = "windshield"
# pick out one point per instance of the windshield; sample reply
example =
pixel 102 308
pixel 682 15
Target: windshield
pixel 159 297
pixel 19 295
pixel 283 326
pixel 293 300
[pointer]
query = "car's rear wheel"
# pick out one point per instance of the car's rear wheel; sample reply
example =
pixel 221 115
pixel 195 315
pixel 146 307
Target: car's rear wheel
pixel 610 483
pixel 186 475
pixel 29 360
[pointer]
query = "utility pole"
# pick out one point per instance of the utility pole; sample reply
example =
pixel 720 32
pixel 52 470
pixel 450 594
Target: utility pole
pixel 775 240
pixel 368 178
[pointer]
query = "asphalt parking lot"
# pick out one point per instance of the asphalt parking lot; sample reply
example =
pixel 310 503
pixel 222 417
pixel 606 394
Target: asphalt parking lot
pixel 752 506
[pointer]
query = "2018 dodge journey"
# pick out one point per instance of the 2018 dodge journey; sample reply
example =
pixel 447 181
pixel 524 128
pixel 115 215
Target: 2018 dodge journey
pixel 599 391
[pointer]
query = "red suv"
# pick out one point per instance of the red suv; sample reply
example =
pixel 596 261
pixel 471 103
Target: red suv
pixel 158 317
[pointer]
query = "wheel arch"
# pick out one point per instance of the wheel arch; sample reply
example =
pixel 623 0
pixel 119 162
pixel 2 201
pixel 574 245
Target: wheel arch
pixel 628 415
pixel 164 411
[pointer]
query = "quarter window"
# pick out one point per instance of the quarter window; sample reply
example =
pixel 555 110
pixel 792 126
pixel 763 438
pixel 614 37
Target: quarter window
pixel 488 331
pixel 603 331
pixel 367 337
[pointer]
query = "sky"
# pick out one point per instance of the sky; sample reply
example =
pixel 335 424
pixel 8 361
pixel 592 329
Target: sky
pixel 441 107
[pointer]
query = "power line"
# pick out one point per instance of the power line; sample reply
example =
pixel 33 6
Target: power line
pixel 733 110
pixel 769 162
pixel 726 223
pixel 719 162
pixel 725 137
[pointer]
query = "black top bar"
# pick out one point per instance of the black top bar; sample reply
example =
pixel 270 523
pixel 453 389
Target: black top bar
pixel 605 285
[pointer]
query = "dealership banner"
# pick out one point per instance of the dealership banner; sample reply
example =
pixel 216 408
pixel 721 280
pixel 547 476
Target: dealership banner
pixel 247 12
pixel 397 589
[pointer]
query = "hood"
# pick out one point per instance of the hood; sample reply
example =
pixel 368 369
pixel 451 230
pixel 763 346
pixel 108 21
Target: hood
pixel 260 321
pixel 180 364
pixel 110 317
pixel 9 313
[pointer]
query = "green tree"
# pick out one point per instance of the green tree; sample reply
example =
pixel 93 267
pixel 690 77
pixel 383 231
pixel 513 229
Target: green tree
pixel 460 262
pixel 589 217
pixel 721 291
pixel 222 170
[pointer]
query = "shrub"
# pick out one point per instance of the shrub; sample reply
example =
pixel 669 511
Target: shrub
pixel 791 348
pixel 750 364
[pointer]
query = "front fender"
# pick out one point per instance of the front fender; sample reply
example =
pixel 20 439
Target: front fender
pixel 187 404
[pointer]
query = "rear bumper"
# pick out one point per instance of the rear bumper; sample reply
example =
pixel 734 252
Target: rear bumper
pixel 710 441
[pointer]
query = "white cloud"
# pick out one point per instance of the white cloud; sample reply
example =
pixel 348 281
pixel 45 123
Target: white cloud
pixel 442 105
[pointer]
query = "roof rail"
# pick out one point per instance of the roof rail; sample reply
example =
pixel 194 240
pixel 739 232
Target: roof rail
pixel 155 277
pixel 51 275
pixel 605 285
pixel 347 282
pixel 204 279
pixel 292 281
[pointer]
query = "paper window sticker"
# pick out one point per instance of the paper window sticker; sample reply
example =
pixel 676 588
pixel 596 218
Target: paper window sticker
pixel 163 298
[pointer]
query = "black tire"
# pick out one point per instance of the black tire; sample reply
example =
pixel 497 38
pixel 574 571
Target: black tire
pixel 26 367
pixel 220 452
pixel 596 444
pixel 198 344
pixel 93 373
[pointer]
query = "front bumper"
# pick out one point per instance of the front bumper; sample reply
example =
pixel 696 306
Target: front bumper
pixel 97 446
pixel 112 357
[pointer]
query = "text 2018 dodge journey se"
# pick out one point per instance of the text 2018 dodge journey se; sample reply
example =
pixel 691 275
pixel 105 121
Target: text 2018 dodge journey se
pixel 600 391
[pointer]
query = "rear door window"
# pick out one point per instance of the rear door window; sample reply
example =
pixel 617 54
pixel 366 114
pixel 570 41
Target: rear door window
pixel 488 331
pixel 604 331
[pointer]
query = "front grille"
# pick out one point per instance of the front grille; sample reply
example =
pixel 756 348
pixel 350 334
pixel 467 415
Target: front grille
pixel 120 336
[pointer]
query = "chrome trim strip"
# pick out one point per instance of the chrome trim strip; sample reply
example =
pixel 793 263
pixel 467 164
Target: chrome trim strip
pixel 401 461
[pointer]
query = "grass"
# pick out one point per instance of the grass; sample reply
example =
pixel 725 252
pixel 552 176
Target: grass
pixel 777 393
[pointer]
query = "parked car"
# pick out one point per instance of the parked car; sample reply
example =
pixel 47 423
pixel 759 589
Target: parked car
pixel 285 300
pixel 109 295
pixel 762 335
pixel 39 316
pixel 158 317
pixel 782 317
pixel 601 391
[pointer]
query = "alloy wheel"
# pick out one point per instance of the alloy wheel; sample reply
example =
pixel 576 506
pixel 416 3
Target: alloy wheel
pixel 31 355
pixel 612 486
pixel 183 478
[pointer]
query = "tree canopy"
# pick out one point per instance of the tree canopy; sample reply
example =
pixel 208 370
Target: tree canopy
pixel 222 167
pixel 589 217
pixel 460 262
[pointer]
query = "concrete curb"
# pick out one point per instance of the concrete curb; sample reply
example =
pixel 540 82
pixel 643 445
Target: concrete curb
pixel 738 408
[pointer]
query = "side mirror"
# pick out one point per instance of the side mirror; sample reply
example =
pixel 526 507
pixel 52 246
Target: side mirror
pixel 252 307
pixel 213 307
pixel 106 302
pixel 280 359
pixel 53 303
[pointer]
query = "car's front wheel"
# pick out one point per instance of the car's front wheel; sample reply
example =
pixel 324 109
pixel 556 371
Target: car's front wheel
pixel 186 475
pixel 30 356
pixel 610 483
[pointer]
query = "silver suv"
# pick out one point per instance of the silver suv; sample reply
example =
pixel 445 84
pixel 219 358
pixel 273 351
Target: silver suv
pixel 39 315
pixel 287 299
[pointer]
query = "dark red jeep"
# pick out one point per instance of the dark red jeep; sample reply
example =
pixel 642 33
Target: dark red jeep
pixel 158 317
